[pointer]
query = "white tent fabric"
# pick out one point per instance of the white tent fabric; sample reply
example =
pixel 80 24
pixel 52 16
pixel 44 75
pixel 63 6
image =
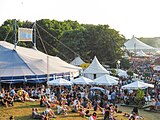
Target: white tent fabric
pixel 137 85
pixel 112 77
pixel 157 68
pixel 82 81
pixel 95 69
pixel 77 61
pixel 141 54
pixel 105 80
pixel 123 73
pixel 59 82
pixel 134 43
pixel 27 61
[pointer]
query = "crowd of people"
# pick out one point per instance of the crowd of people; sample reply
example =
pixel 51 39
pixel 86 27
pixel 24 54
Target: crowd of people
pixel 80 99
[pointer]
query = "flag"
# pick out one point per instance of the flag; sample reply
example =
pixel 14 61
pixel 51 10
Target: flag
pixel 25 34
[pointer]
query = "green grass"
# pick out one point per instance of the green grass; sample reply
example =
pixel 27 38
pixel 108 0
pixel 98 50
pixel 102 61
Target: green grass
pixel 22 111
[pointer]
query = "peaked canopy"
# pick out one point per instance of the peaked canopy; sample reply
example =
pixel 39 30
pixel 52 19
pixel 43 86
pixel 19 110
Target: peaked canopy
pixel 135 44
pixel 141 54
pixel 77 61
pixel 95 69
pixel 123 73
pixel 59 82
pixel 106 80
pixel 82 81
pixel 30 62
pixel 137 85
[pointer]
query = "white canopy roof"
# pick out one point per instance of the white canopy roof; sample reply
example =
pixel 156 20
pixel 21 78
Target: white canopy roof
pixel 95 67
pixel 134 43
pixel 106 80
pixel 123 73
pixel 27 61
pixel 157 68
pixel 141 54
pixel 137 85
pixel 77 61
pixel 59 82
pixel 82 81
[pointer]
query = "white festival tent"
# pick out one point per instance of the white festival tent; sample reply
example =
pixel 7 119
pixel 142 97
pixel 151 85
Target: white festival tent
pixel 141 54
pixel 59 82
pixel 135 44
pixel 123 73
pixel 82 81
pixel 105 80
pixel 137 85
pixel 30 64
pixel 157 68
pixel 95 70
pixel 77 61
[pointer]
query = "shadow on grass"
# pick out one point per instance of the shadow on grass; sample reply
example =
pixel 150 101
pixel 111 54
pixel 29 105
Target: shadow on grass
pixel 27 106
pixel 24 118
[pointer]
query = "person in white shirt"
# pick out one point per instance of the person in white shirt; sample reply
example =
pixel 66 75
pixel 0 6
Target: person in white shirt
pixel 82 94
pixel 48 91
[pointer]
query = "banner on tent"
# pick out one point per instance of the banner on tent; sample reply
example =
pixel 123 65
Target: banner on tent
pixel 25 34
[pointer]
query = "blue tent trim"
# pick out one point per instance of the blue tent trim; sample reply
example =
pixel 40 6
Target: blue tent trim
pixel 33 78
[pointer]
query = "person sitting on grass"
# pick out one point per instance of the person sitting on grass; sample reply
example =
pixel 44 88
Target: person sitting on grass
pixel 82 113
pixel 65 109
pixel 26 96
pixel 36 115
pixel 11 118
pixel 49 112
pixel 7 100
pixel 93 116
pixel 59 108
pixel 76 105
pixel 157 104
pixel 133 116
pixel 42 101
pixel 20 94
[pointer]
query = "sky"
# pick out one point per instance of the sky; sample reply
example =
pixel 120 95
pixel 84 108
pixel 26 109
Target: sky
pixel 140 18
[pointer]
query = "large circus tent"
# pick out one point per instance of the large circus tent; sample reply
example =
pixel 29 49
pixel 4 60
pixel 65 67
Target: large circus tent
pixel 30 65
pixel 135 44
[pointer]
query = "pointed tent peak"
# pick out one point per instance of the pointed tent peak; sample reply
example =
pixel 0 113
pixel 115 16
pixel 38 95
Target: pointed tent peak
pixel 96 61
pixel 134 38
pixel 133 43
pixel 77 61
pixel 96 67
pixel 95 57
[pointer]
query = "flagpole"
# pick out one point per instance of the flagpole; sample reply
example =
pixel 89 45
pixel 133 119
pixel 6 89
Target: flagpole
pixel 15 35
pixel 34 42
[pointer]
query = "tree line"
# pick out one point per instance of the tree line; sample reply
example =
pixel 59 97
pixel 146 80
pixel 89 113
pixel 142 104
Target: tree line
pixel 68 39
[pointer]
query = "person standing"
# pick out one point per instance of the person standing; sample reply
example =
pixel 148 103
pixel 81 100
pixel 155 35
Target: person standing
pixel 107 112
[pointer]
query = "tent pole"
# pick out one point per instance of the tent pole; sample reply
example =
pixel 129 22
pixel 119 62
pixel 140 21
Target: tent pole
pixel 15 35
pixel 47 67
pixel 34 41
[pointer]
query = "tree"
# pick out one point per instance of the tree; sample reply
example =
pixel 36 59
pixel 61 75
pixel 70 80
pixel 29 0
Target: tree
pixel 68 39
pixel 139 99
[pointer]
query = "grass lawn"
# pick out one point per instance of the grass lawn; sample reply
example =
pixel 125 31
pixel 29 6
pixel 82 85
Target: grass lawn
pixel 22 111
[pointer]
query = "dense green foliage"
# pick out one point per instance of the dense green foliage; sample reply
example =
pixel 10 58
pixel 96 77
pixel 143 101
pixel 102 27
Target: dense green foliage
pixel 72 39
pixel 139 99
pixel 155 41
